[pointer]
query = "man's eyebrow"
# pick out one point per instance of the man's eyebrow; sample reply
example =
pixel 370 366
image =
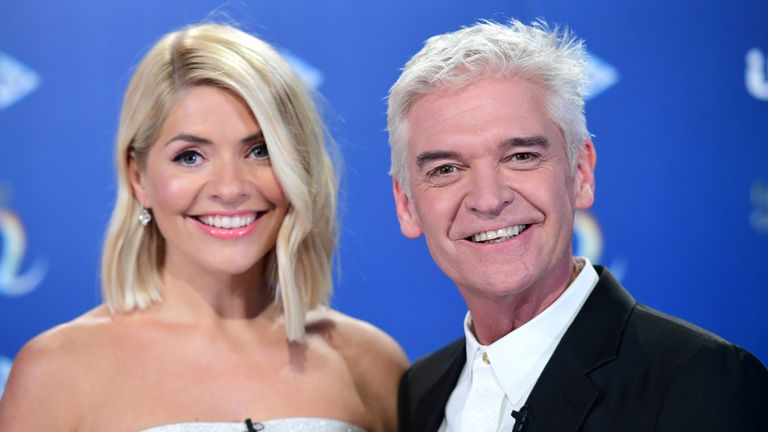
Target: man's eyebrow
pixel 532 141
pixel 426 157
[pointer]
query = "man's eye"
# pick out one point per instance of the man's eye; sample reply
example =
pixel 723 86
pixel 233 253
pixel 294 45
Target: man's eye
pixel 188 158
pixel 442 170
pixel 444 175
pixel 259 152
pixel 523 157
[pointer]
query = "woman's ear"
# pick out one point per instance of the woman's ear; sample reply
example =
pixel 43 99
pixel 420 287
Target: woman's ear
pixel 136 178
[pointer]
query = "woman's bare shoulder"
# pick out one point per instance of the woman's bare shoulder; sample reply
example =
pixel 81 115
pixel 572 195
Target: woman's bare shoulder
pixel 356 338
pixel 51 373
pixel 66 342
pixel 375 360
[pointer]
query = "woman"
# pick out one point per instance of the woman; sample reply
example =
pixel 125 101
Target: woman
pixel 216 267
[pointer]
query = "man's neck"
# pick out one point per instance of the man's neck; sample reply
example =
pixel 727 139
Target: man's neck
pixel 493 318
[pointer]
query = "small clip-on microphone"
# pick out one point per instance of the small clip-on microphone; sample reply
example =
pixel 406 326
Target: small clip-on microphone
pixel 522 418
pixel 253 427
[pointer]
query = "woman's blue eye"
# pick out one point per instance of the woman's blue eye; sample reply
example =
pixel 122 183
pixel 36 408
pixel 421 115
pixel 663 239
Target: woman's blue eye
pixel 260 151
pixel 188 158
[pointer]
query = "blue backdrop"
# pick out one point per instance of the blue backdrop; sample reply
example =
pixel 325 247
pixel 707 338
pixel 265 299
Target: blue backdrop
pixel 679 112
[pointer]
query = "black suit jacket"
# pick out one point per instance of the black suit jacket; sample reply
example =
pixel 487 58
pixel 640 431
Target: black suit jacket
pixel 620 366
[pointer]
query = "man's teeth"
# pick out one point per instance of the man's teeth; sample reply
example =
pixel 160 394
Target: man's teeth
pixel 497 236
pixel 227 222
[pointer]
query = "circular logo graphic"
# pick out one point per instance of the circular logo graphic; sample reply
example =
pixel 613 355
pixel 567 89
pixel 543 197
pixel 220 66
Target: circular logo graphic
pixel 755 77
pixel 588 242
pixel 587 237
pixel 5 370
pixel 759 217
pixel 14 244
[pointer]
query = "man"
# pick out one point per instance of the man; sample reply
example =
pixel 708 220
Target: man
pixel 491 158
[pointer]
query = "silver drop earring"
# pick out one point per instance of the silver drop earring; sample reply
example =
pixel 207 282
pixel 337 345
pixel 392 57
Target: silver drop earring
pixel 145 217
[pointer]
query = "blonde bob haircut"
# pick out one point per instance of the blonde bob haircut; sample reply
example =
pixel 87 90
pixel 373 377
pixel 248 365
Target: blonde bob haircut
pixel 299 267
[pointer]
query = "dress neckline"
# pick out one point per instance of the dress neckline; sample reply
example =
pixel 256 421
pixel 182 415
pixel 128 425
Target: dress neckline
pixel 288 424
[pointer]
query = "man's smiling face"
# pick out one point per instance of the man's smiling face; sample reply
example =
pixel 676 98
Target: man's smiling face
pixel 491 187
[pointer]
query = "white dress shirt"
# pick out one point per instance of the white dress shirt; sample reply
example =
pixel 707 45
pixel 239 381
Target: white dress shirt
pixel 518 358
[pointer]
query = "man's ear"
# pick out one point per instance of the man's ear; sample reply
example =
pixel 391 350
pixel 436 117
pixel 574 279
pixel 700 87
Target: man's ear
pixel 136 179
pixel 406 213
pixel 584 176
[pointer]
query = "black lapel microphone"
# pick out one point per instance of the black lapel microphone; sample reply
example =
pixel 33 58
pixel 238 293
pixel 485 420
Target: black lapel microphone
pixel 522 418
pixel 253 427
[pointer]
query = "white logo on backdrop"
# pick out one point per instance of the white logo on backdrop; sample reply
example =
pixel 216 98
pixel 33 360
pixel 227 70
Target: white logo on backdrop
pixel 5 370
pixel 588 242
pixel 756 74
pixel 16 80
pixel 14 245
pixel 600 76
pixel 759 217
pixel 311 75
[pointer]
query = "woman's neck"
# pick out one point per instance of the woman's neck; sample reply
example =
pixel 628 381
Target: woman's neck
pixel 224 296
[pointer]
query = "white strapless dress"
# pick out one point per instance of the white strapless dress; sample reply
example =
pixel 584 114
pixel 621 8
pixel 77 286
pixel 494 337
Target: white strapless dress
pixel 297 424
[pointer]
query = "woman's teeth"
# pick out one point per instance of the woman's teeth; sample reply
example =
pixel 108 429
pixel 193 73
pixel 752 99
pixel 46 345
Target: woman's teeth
pixel 227 221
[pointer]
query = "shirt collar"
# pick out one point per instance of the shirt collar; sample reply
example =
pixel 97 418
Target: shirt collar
pixel 522 349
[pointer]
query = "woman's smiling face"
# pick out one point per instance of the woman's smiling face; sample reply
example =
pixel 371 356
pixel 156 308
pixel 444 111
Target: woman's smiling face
pixel 210 185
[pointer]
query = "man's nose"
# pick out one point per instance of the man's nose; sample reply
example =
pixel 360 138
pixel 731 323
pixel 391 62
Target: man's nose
pixel 489 194
pixel 229 183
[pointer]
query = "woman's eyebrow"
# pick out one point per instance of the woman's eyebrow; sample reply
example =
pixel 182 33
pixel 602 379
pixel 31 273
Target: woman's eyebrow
pixel 258 136
pixel 189 138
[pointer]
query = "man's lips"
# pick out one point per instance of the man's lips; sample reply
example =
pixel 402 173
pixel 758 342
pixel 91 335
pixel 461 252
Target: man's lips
pixel 499 235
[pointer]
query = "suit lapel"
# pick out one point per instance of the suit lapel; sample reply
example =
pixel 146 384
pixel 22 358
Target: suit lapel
pixel 564 394
pixel 435 397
